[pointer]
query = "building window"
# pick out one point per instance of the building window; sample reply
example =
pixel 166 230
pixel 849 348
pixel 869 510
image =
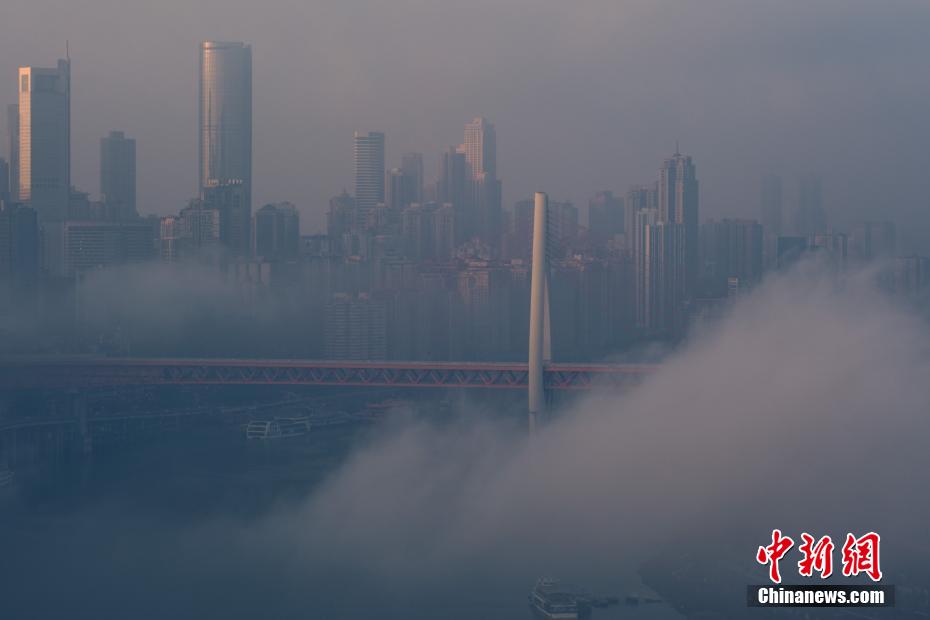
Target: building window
pixel 24 86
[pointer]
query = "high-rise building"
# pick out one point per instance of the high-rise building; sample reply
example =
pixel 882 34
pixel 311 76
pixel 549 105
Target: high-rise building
pixel 563 226
pixel 400 189
pixel 92 244
pixel 230 201
pixel 637 198
pixel 4 181
pixel 645 265
pixel 368 154
pixel 417 229
pixel 197 226
pixel 355 327
pixel 412 165
pixel 480 149
pixel 444 232
pixel 659 246
pixel 773 224
pixel 789 250
pixel 489 224
pixel 340 218
pixel 584 295
pixel 872 240
pixel 12 132
pixel 169 239
pixel 451 188
pixel 428 231
pixel 731 253
pixel 480 306
pixel 678 204
pixel 81 207
pixel 19 253
pixel 911 276
pixel 452 177
pixel 481 218
pixel 606 218
pixel 643 206
pixel 522 233
pixel 118 175
pixel 44 142
pixel 226 120
pixel 832 247
pixel 664 246
pixel 277 232
pixel 771 204
pixel 810 218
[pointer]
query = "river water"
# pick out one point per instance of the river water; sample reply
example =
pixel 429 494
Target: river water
pixel 162 529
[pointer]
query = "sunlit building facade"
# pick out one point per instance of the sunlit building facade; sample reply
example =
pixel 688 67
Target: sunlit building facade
pixel 480 148
pixel 481 218
pixel 226 121
pixel 44 140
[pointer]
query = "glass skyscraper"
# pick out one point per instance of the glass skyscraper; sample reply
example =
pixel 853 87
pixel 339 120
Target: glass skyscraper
pixel 44 140
pixel 225 113
pixel 368 152
pixel 226 126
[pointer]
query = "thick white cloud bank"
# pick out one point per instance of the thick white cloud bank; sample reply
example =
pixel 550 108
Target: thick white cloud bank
pixel 805 409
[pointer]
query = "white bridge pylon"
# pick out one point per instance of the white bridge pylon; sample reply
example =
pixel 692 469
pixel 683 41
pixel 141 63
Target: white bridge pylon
pixel 540 349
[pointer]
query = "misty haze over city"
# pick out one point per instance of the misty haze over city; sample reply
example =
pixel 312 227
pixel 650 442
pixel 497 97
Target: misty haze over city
pixel 703 455
pixel 464 309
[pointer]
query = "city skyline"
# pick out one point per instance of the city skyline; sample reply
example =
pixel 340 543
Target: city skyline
pixel 666 266
pixel 353 309
pixel 679 263
pixel 611 136
pixel 650 263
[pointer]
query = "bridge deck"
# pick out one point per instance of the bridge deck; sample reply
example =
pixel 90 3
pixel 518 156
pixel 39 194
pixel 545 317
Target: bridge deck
pixel 83 372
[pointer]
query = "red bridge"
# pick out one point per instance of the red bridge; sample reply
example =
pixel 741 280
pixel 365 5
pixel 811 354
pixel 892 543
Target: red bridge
pixel 94 372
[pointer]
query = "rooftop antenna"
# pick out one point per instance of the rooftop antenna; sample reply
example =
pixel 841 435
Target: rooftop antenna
pixel 67 51
pixel 677 152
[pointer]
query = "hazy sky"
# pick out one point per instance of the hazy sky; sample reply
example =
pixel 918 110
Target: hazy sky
pixel 586 95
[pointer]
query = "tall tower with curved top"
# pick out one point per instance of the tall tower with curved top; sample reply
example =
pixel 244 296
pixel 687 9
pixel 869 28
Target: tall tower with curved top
pixel 225 115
